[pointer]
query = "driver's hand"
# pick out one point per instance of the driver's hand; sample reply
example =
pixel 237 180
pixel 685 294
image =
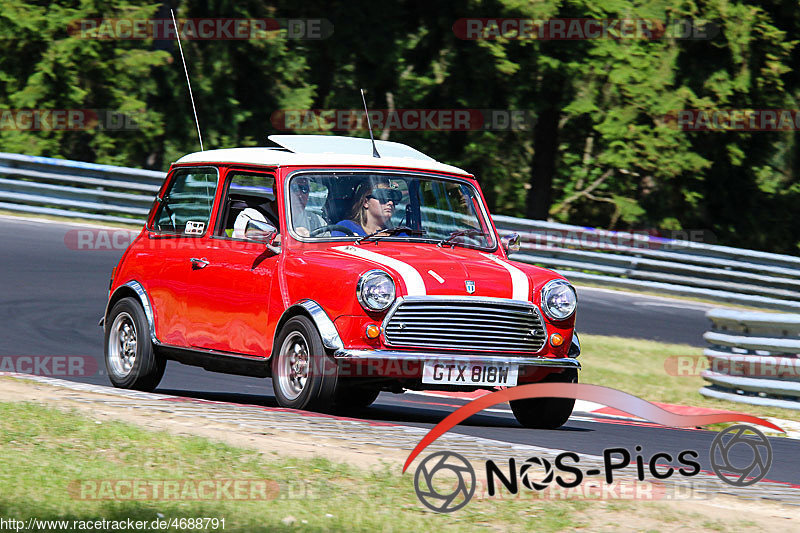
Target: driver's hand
pixel 303 232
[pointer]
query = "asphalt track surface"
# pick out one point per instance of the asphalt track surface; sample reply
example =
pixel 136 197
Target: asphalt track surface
pixel 51 298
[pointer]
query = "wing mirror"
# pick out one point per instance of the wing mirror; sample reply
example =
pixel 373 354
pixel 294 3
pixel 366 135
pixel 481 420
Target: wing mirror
pixel 511 242
pixel 263 232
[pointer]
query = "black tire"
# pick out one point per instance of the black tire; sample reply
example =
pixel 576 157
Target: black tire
pixel 546 413
pixel 298 350
pixel 131 361
pixel 354 396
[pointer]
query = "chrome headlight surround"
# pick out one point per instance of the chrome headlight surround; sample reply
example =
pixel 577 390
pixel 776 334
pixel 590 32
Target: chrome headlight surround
pixel 559 299
pixel 376 290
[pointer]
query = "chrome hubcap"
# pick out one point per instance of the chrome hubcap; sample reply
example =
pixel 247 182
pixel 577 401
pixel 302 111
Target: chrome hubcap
pixel 122 345
pixel 293 365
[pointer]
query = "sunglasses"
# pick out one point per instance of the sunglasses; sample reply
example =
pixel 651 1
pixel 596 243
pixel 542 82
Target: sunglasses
pixel 302 187
pixel 386 195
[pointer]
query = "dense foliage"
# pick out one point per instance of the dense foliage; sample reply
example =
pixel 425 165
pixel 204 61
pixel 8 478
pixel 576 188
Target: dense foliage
pixel 602 151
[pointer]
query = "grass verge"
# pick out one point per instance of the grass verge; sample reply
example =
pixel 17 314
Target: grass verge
pixel 46 451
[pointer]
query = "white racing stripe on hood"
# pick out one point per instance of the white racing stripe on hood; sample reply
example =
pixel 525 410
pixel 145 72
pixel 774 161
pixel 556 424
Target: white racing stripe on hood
pixel 520 287
pixel 411 277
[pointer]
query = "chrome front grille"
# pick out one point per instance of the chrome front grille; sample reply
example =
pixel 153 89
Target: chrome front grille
pixel 465 324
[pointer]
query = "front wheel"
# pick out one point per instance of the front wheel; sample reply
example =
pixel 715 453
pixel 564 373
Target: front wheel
pixel 131 361
pixel 304 376
pixel 546 413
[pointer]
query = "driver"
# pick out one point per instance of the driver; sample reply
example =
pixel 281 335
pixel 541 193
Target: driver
pixel 373 208
pixel 303 221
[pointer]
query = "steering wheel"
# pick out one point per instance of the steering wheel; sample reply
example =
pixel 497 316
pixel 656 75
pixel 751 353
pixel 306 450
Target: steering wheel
pixel 332 227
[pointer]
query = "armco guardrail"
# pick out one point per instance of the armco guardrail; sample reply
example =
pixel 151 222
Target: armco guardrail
pixel 753 358
pixel 60 187
pixel 117 194
pixel 631 260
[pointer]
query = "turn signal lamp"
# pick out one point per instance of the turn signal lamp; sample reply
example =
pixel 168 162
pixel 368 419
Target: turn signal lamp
pixel 556 339
pixel 373 331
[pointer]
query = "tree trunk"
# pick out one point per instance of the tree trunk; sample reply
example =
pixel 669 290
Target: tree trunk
pixel 543 167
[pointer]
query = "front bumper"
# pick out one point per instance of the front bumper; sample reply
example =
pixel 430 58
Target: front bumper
pixel 408 367
pixel 421 357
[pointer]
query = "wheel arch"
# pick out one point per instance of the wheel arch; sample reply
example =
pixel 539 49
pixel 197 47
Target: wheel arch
pixel 134 289
pixel 575 345
pixel 313 311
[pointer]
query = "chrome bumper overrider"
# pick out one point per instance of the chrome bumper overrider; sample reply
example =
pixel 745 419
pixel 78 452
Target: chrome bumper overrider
pixel 365 355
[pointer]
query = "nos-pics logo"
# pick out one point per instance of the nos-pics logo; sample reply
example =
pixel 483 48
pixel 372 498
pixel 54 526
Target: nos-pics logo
pixel 445 481
pixel 441 494
pixel 454 486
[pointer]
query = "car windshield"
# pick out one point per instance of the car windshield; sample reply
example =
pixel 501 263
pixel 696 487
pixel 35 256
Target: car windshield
pixel 341 205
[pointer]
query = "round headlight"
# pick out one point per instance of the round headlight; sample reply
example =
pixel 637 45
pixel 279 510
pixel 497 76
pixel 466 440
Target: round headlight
pixel 375 290
pixel 559 299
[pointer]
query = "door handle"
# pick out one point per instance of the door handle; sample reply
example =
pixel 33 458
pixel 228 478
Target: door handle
pixel 199 263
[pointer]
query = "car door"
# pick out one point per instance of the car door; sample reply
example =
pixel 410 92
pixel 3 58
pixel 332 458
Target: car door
pixel 228 306
pixel 180 223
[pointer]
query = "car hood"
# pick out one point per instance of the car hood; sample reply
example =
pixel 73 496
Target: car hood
pixel 424 269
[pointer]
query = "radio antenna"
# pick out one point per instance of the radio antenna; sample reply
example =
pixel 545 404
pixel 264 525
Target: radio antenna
pixel 369 125
pixel 191 96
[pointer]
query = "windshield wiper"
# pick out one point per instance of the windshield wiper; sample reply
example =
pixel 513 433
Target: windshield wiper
pixel 461 233
pixel 391 231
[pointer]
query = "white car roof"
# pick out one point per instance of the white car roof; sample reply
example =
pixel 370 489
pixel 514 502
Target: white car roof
pixel 324 150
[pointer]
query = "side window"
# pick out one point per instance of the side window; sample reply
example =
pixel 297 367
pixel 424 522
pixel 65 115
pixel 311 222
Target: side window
pixel 250 195
pixel 308 199
pixel 447 207
pixel 186 206
pixel 399 217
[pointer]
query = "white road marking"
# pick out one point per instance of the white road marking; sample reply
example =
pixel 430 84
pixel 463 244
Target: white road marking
pixel 697 306
pixel 87 224
pixel 676 301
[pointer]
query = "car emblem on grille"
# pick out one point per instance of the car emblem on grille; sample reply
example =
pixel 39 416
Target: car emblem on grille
pixel 470 286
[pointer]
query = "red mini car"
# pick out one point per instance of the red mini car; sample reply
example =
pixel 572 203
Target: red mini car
pixel 338 272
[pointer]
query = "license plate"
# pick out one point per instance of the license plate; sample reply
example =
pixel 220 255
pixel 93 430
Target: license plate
pixel 471 374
